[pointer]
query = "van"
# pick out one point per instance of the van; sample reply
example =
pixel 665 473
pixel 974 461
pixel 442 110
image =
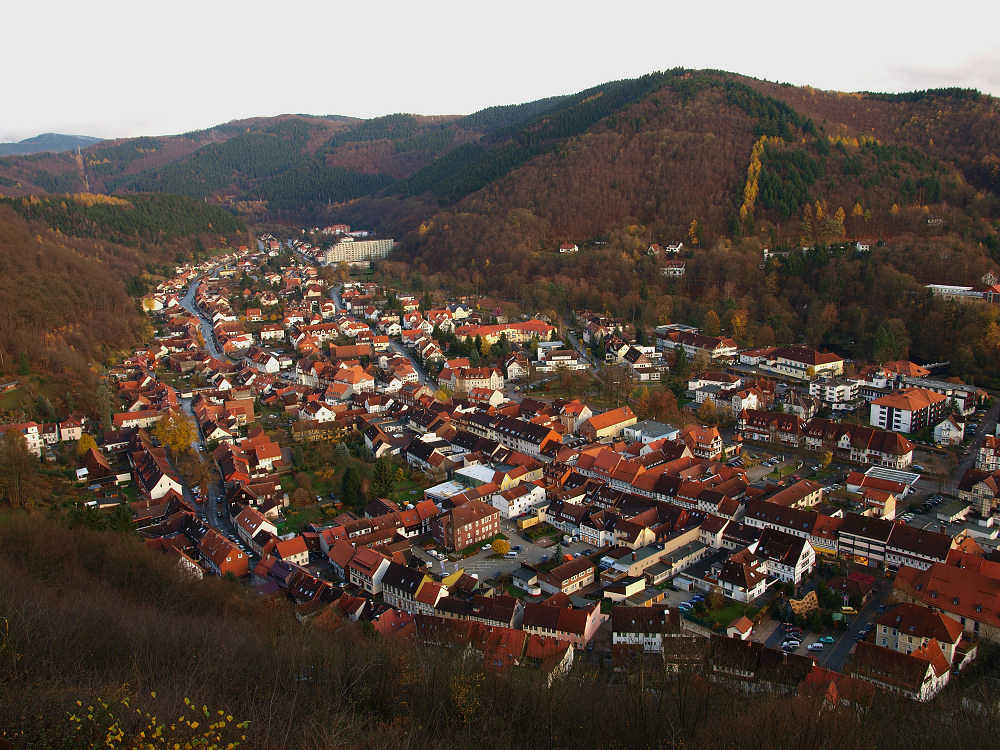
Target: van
pixel 848 611
pixel 511 555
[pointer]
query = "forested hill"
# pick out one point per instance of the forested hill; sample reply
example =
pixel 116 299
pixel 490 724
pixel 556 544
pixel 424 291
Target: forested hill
pixel 287 164
pixel 665 149
pixel 70 266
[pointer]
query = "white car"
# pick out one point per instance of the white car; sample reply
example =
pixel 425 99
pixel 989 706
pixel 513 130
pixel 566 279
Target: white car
pixel 815 647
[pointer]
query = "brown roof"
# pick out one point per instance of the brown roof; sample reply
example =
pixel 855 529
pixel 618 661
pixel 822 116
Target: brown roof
pixel 648 620
pixel 905 671
pixel 921 622
pixel 910 399
pixel 611 418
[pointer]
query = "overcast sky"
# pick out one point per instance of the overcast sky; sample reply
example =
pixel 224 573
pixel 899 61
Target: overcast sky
pixel 111 69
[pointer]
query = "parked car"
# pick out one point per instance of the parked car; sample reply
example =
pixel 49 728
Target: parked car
pixel 486 547
pixel 516 548
pixel 826 639
pixel 815 647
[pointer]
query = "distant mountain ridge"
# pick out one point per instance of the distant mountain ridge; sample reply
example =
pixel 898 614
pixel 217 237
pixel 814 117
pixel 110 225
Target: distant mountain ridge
pixel 669 150
pixel 47 142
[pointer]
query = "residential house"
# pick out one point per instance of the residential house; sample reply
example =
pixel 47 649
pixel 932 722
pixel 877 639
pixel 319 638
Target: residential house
pixel 568 577
pixel 367 568
pixel 919 675
pixel 645 629
pixel 907 627
pixel 608 424
pixel 575 625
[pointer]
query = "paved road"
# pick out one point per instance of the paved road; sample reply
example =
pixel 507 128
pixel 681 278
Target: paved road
pixel 987 426
pixel 187 302
pixel 578 345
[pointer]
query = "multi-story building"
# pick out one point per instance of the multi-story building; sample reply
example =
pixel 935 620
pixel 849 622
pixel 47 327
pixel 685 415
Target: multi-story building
pixel 801 363
pixel 908 626
pixel 908 410
pixel 350 250
pixel 470 523
pixel 367 568
pixel 643 628
pixel 839 394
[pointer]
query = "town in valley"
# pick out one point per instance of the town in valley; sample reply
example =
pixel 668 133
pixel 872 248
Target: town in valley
pixel 550 491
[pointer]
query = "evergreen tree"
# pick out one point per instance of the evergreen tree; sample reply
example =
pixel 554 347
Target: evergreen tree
pixel 383 478
pixel 682 368
pixel 350 486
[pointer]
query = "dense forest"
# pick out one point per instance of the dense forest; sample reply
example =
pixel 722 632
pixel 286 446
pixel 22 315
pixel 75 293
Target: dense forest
pixel 117 642
pixel 153 217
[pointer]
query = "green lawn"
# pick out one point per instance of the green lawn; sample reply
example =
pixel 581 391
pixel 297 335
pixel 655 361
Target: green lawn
pixel 297 518
pixel 534 533
pixel 727 614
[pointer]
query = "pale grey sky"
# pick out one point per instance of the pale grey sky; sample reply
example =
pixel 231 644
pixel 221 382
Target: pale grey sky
pixel 110 68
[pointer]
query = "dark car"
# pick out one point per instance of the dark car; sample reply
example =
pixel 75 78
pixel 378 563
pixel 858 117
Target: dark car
pixel 218 514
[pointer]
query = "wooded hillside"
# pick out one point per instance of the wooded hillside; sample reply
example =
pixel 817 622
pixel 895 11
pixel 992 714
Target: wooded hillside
pixel 69 263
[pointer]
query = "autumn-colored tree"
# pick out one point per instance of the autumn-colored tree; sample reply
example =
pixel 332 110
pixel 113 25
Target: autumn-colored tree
pixel 738 324
pixel 304 481
pixel 85 443
pixel 175 431
pixel 702 361
pixel 825 459
pixel 663 405
pixel 664 309
pixel 707 412
pixel 196 471
pixel 501 546
pixel 641 403
pixel 711 325
pixel 694 233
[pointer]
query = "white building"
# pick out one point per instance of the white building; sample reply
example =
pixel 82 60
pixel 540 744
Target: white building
pixel 349 250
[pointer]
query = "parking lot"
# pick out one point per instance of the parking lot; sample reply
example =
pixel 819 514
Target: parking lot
pixel 922 512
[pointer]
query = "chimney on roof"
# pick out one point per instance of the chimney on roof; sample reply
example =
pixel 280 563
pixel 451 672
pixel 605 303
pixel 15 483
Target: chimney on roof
pixel 634 556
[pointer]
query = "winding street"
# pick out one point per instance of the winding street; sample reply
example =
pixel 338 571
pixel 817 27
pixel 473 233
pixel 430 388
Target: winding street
pixel 187 302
